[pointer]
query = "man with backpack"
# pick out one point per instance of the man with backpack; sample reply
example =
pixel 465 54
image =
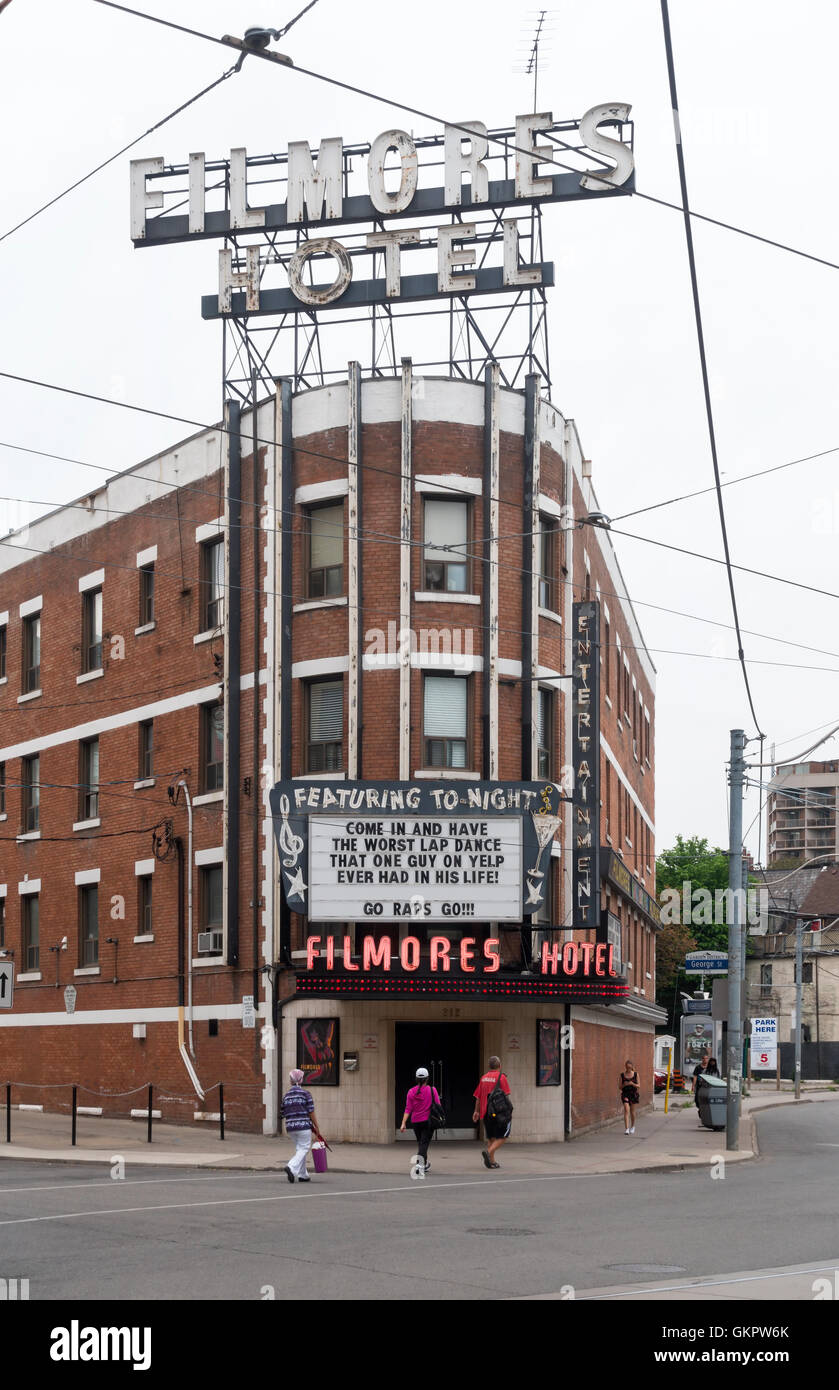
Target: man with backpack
pixel 494 1107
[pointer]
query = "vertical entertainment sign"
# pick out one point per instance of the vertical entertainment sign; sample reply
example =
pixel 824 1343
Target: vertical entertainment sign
pixel 585 756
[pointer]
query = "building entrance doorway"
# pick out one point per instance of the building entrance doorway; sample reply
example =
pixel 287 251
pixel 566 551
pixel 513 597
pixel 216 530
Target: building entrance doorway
pixel 451 1052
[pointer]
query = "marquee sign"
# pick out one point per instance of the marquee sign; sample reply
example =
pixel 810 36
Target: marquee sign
pixel 448 852
pixel 400 179
pixel 585 758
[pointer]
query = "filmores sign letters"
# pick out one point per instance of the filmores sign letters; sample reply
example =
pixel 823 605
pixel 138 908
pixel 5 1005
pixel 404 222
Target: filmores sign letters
pixel 397 851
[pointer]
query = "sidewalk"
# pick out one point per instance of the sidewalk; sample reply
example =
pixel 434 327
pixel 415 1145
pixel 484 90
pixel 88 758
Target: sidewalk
pixel 675 1140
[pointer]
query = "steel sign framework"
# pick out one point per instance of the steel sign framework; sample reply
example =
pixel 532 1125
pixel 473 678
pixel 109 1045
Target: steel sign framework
pixel 462 286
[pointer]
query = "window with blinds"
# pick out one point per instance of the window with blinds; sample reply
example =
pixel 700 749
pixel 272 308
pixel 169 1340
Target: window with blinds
pixel 547 568
pixel 446 526
pixel 544 711
pixel 445 720
pixel 212 585
pixel 326 726
pixel 326 551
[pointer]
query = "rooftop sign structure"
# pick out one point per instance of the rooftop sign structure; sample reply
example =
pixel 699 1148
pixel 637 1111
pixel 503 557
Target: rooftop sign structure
pixel 448 217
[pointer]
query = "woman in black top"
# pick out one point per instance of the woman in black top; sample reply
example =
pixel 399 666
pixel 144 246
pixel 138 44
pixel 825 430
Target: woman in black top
pixel 630 1095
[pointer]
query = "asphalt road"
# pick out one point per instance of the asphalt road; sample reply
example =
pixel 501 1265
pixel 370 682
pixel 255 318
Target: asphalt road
pixel 164 1234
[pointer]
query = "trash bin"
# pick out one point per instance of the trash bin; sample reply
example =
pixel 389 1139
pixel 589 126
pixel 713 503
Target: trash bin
pixel 712 1095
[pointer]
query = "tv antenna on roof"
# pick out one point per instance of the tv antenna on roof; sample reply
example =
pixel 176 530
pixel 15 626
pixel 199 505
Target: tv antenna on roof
pixel 530 58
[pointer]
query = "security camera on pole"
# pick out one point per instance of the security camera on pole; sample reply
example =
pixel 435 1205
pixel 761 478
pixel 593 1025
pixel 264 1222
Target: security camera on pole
pixel 735 939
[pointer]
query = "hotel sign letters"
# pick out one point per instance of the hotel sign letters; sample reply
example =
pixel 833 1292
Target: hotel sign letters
pixel 381 852
pixel 585 756
pixel 394 178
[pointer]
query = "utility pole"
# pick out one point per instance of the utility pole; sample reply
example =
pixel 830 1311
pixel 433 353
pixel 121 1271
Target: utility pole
pixel 799 999
pixel 735 943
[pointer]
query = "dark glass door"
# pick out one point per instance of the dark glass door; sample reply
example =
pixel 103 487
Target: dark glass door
pixel 451 1053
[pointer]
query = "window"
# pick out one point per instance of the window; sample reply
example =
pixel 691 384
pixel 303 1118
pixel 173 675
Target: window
pixel 212 748
pixel 211 908
pixel 144 913
pixel 806 973
pixel 212 585
pixel 326 551
pixel 547 564
pixel 89 924
pixel 89 779
pixel 145 768
pixel 92 630
pixel 646 736
pixel 544 733
pixel 765 981
pixel 30 794
pixel 2 789
pixel 325 744
pixel 3 652
pixel 31 678
pixel 608 770
pixel 445 721
pixel 446 525
pixel 146 573
pixel 607 655
pixel 626 692
pixel 30 932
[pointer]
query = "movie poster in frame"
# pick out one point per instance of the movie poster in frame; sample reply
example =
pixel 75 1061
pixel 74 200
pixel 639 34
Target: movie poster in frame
pixel 318 1050
pixel 548 1035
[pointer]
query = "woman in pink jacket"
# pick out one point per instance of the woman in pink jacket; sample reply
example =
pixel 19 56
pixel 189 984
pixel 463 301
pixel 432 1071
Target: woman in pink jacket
pixel 418 1111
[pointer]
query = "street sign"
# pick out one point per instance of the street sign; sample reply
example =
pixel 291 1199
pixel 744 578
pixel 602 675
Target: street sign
pixel 764 1044
pixel 706 963
pixel 7 983
pixel 70 999
pixel 697 1006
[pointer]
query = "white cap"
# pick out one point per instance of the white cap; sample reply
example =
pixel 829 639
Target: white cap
pixel 422 1073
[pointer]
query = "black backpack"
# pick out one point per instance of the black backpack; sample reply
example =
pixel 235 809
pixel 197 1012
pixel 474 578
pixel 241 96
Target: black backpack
pixel 499 1105
pixel 436 1115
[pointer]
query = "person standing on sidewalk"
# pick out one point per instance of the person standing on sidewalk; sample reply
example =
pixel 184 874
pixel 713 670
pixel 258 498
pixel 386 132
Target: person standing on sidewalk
pixel 494 1107
pixel 298 1111
pixel 630 1095
pixel 418 1111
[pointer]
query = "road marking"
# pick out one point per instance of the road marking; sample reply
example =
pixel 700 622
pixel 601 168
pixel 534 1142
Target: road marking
pixel 590 1297
pixel 125 1182
pixel 298 1197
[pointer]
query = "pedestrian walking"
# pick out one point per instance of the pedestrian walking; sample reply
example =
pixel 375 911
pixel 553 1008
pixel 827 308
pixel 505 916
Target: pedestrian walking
pixel 418 1111
pixel 494 1107
pixel 298 1111
pixel 712 1069
pixel 698 1072
pixel 630 1095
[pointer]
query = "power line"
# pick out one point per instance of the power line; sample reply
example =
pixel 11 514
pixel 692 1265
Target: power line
pixel 744 478
pixel 111 158
pixel 227 42
pixel 714 560
pixel 697 308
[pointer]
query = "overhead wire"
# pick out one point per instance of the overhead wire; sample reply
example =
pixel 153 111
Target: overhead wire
pixel 440 120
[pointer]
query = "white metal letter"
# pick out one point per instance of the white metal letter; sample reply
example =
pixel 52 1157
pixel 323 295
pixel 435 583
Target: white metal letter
pixel 447 257
pixel 240 214
pixel 598 179
pixel 458 163
pixel 320 191
pixel 527 185
pixel 196 193
pixel 323 294
pixel 406 149
pixel 140 199
pixel 391 242
pixel 227 279
pixel 514 274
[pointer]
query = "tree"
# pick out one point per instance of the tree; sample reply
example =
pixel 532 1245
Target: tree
pixel 694 873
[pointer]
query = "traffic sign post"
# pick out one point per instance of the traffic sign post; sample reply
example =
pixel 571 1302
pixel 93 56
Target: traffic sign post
pixel 7 983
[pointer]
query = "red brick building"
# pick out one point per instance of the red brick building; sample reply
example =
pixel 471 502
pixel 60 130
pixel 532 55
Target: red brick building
pixel 386 596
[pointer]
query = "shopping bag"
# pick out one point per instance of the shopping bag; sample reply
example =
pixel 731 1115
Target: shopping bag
pixel 319 1156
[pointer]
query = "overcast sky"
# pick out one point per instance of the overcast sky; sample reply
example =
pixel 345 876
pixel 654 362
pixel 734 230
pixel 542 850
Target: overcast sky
pixel 82 308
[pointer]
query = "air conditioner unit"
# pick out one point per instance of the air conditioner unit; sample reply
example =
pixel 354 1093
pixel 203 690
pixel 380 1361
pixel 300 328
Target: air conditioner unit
pixel 210 941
